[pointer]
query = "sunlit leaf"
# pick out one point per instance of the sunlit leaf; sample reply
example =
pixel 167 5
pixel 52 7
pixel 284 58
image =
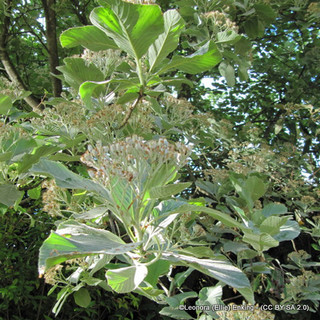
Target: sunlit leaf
pixel 74 239
pixel 204 59
pixel 168 40
pixel 89 37
pixel 127 279
pixel 133 27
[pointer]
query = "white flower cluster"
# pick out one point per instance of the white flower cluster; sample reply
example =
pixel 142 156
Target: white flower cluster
pixel 133 157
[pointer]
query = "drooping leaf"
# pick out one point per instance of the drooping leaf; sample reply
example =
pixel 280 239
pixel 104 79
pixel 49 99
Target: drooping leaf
pixel 168 40
pixel 66 178
pixel 127 279
pixel 133 27
pixel 221 270
pixel 204 59
pixel 168 190
pixel 74 239
pixel 29 159
pixel 220 216
pixel 227 71
pixel 82 297
pixel 89 37
pixel 9 194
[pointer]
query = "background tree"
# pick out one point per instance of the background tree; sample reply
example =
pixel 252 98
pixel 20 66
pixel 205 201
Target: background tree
pixel 249 208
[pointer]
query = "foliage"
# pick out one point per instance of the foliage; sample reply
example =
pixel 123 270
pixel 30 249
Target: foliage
pixel 154 195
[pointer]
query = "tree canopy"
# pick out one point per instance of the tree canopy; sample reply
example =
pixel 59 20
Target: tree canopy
pixel 164 155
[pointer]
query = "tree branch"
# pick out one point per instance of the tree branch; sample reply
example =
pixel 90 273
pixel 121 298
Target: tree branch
pixel 7 63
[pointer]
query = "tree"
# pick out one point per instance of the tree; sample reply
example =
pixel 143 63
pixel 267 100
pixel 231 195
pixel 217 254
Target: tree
pixel 156 191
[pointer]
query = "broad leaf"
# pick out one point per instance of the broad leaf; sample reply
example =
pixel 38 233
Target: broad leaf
pixel 274 209
pixel 204 59
pixel 289 231
pixel 29 159
pixel 82 297
pixel 227 71
pixel 76 71
pixel 221 270
pixel 9 194
pixel 133 27
pixel 74 239
pixel 156 270
pixel 272 225
pixel 89 37
pixel 66 178
pixel 260 242
pixel 168 40
pixel 127 279
pixel 220 216
pixel 93 88
pixel 168 190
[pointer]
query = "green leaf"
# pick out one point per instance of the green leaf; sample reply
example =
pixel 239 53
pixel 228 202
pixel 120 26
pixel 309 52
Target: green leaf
pixel 260 242
pixel 265 12
pixel 89 37
pixel 156 270
pixel 216 268
pixel 204 59
pixel 76 71
pixel 29 159
pixel 93 88
pixel 178 299
pixel 35 193
pixel 168 40
pixel 9 194
pixel 175 313
pixel 210 296
pixel 82 297
pixel 289 231
pixel 133 27
pixel 168 190
pixel 228 36
pixel 94 213
pixel 127 279
pixel 5 104
pixel 66 178
pixel 272 225
pixel 254 28
pixel 74 239
pixel 274 208
pixel 227 71
pixel 251 189
pixel 220 216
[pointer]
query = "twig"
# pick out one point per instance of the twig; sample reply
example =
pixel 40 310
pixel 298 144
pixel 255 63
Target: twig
pixel 128 115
